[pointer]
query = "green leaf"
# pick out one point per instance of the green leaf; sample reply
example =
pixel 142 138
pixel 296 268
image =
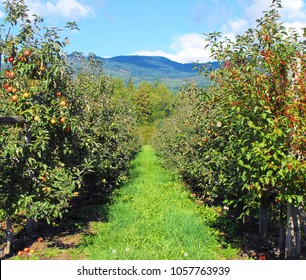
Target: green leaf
pixel 251 124
pixel 280 132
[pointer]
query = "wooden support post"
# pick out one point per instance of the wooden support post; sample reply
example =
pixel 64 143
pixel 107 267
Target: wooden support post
pixel 11 120
pixel 9 231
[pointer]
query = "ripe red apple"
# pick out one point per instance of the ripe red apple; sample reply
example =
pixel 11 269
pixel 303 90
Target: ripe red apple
pixel 27 52
pixel 11 59
pixel 267 38
pixel 21 58
pixel 26 250
pixel 10 74
pixel 262 257
pixel 40 239
pixel 14 98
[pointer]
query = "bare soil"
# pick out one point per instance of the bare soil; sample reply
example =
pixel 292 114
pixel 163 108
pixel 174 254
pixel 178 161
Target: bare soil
pixel 55 241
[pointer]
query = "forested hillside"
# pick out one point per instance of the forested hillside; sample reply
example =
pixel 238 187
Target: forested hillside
pixel 151 69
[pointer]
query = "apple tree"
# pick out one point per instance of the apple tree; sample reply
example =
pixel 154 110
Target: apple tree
pixel 38 176
pixel 262 80
pixel 243 140
pixel 109 135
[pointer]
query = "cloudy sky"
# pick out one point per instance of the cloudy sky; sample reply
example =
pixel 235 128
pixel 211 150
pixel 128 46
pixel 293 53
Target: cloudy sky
pixel 170 28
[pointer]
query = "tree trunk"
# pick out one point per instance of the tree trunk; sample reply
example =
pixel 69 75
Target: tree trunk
pixel 297 232
pixel 293 235
pixel 31 226
pixel 9 232
pixel 263 218
pixel 248 220
pixel 302 215
pixel 281 240
pixel 289 232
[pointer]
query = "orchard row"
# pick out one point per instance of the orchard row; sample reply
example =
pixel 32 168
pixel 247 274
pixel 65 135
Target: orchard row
pixel 78 137
pixel 241 144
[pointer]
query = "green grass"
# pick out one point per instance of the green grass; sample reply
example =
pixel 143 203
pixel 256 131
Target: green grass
pixel 154 218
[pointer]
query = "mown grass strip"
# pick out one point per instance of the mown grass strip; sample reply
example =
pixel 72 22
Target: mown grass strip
pixel 152 218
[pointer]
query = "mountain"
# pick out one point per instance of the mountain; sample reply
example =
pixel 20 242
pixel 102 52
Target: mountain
pixel 152 69
pixel 158 63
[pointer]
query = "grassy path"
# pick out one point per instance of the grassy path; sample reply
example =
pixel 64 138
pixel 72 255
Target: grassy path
pixel 152 217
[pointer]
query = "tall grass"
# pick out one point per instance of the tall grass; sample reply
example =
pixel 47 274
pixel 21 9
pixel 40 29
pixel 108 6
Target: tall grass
pixel 153 217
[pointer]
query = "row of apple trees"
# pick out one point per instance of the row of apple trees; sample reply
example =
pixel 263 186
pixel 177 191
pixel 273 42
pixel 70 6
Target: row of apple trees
pixel 241 143
pixel 77 137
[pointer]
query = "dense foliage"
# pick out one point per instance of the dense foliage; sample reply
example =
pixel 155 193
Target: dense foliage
pixel 152 103
pixel 36 174
pixel 77 137
pixel 108 126
pixel 242 141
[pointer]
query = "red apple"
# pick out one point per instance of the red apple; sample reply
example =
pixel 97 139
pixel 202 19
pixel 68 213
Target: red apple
pixel 14 98
pixel 11 59
pixel 27 52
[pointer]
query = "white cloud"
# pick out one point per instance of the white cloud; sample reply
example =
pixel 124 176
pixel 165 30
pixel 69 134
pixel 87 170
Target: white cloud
pixel 155 53
pixel 238 25
pixel 293 13
pixel 294 9
pixel 254 10
pixel 1 14
pixel 235 26
pixel 68 9
pixel 186 48
pixel 190 47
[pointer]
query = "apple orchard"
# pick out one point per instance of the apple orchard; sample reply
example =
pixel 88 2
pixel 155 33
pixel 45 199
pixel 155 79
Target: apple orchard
pixel 239 143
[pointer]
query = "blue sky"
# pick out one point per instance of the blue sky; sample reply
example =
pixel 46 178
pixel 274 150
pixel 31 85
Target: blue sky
pixel 171 28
